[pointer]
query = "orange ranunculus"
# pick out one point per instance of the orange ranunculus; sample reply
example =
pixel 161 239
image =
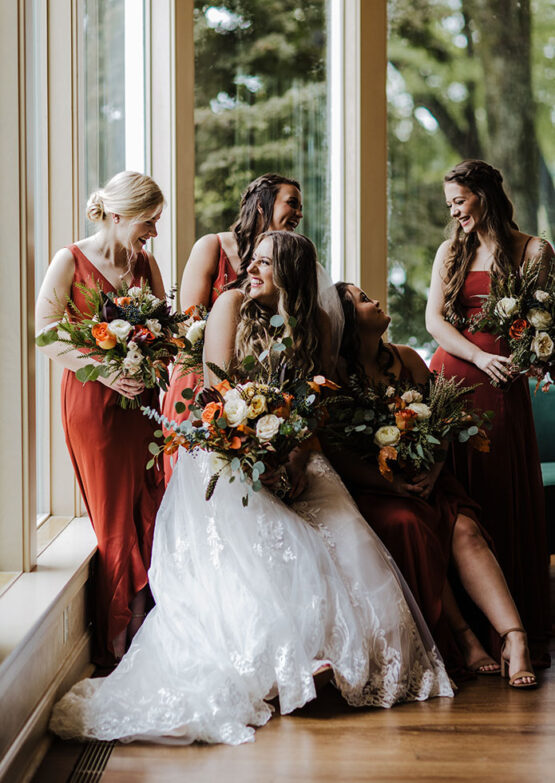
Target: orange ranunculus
pixel 141 335
pixel 480 441
pixel 223 387
pixel 386 454
pixel 103 336
pixel 404 419
pixel 518 327
pixel 122 301
pixel 212 411
pixel 235 442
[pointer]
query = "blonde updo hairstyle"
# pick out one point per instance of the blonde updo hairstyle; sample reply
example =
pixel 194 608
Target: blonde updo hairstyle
pixel 128 194
pixel 294 271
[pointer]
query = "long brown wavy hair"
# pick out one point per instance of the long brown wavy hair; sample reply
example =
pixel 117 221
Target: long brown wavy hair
pixel 261 192
pixel 350 346
pixel 497 221
pixel 294 273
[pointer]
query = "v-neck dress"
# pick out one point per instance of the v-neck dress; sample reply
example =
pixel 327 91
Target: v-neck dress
pixel 108 447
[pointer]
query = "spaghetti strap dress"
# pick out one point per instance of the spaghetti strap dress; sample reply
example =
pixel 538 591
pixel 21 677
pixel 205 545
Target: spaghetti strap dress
pixel 108 447
pixel 507 482
pixel 418 533
pixel 178 382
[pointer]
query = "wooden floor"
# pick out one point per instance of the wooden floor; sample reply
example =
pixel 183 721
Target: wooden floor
pixel 487 733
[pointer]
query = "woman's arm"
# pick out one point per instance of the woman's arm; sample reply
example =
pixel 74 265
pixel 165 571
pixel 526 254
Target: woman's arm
pixel 219 336
pixel 450 339
pixel 200 272
pixel 51 303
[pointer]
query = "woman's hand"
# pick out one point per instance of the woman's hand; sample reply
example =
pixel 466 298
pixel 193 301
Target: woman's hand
pixel 127 387
pixel 496 367
pixel 423 483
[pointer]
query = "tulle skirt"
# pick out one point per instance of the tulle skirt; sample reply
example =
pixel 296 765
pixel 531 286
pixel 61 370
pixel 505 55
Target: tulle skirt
pixel 248 602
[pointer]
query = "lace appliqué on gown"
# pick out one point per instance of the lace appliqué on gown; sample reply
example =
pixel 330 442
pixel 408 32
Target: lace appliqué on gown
pixel 247 599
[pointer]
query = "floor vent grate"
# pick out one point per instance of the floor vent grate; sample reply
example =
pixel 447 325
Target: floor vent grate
pixel 92 761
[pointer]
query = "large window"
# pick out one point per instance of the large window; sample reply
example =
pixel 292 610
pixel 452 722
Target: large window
pixel 261 105
pixel 113 97
pixel 465 80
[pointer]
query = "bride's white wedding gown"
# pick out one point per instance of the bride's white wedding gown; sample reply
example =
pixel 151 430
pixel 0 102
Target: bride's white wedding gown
pixel 247 600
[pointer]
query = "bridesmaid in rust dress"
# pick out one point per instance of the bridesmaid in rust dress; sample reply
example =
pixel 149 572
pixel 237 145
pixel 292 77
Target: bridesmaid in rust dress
pixel 428 523
pixel 270 203
pixel 107 444
pixel 506 482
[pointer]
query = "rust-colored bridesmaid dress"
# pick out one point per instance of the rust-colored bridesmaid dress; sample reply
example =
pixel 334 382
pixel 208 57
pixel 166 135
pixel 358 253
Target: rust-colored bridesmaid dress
pixel 507 482
pixel 226 274
pixel 109 450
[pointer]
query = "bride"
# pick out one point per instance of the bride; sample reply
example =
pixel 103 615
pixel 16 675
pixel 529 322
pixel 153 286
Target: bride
pixel 250 602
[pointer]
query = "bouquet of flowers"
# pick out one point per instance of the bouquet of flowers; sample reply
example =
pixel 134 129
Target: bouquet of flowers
pixel 191 329
pixel 249 427
pixel 130 332
pixel 408 423
pixel 523 313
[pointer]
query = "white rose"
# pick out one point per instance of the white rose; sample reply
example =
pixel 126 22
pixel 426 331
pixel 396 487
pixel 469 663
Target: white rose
pixel 134 291
pixel 390 391
pixel 541 296
pixel 387 436
pixel 195 332
pixel 257 405
pixel 542 345
pixel 540 319
pixel 421 409
pixel 235 411
pixel 233 394
pixel 155 326
pixel 217 463
pixel 120 328
pixel 134 358
pixel 506 307
pixel 153 300
pixel 411 396
pixel 268 426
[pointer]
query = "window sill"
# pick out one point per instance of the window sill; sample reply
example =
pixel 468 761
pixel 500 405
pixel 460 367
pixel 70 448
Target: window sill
pixel 31 596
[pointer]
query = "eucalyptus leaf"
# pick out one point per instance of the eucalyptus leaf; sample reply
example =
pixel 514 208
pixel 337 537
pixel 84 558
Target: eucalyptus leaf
pixel 276 320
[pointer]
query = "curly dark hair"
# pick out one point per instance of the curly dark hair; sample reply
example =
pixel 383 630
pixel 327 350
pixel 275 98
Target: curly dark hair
pixel 486 182
pixel 350 347
pixel 261 192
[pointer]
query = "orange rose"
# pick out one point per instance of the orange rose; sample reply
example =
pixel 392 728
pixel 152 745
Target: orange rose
pixel 122 301
pixel 103 336
pixel 404 419
pixel 518 327
pixel 212 411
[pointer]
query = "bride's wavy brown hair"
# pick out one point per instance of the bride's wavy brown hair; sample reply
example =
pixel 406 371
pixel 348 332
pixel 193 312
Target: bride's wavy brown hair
pixel 497 221
pixel 294 271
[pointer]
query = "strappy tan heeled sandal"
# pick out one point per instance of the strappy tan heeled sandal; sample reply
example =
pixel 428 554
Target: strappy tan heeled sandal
pixel 523 672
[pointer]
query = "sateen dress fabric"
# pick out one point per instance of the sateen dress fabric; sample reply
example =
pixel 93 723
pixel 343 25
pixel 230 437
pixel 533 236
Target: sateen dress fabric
pixel 248 601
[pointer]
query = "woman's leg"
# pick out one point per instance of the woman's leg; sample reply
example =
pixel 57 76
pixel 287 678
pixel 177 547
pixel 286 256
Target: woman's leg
pixel 484 582
pixel 476 658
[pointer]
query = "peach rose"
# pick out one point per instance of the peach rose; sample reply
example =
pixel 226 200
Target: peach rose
pixel 103 336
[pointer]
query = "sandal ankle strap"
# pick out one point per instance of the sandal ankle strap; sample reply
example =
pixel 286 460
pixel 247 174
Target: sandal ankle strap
pixel 511 630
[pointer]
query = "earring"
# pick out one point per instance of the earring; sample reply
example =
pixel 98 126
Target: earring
pixel 116 218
